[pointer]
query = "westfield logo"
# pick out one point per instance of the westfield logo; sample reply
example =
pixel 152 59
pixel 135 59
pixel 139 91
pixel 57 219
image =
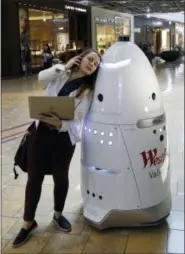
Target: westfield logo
pixel 152 158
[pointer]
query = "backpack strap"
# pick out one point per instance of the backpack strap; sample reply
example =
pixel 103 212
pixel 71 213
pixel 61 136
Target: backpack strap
pixel 15 172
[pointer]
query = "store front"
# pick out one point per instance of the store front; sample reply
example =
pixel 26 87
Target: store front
pixel 179 36
pixel 65 31
pixel 160 34
pixel 107 26
pixel 66 28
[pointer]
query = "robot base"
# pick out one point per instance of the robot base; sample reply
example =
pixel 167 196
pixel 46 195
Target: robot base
pixel 152 216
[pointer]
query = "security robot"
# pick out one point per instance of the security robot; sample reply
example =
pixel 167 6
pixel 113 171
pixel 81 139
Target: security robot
pixel 125 176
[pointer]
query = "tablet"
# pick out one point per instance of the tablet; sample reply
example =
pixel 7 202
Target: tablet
pixel 63 106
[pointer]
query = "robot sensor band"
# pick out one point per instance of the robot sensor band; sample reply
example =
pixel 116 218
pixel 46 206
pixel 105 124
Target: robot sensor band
pixel 147 123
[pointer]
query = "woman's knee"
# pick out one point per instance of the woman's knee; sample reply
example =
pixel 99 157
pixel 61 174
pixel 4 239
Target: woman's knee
pixel 35 179
pixel 61 180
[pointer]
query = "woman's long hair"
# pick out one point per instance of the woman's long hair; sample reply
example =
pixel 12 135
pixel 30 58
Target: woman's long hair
pixel 89 80
pixel 48 50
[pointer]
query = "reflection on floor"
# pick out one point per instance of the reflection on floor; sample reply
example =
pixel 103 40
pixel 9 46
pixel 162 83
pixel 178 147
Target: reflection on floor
pixel 167 238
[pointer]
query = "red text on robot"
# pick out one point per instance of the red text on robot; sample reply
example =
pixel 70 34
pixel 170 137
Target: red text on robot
pixel 153 158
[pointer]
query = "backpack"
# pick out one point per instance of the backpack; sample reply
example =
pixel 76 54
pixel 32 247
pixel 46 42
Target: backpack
pixel 20 158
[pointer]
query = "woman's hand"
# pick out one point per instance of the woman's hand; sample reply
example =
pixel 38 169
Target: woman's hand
pixel 52 119
pixel 73 61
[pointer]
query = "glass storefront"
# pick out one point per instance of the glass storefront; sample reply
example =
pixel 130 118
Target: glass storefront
pixel 179 36
pixel 122 26
pixel 107 31
pixel 165 40
pixel 39 27
pixel 161 40
pixel 47 28
pixel 105 37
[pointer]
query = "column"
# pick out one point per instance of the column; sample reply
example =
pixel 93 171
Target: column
pixel 10 40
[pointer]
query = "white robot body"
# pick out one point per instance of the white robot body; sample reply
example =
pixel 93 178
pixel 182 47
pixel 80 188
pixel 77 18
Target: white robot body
pixel 125 177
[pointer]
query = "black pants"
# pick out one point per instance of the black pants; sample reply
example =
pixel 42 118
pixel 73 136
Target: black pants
pixel 47 65
pixel 49 152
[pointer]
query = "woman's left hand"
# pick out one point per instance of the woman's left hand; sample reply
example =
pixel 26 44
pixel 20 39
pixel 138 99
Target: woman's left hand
pixel 52 119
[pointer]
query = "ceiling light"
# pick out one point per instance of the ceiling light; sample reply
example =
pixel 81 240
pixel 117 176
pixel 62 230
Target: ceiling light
pixel 85 2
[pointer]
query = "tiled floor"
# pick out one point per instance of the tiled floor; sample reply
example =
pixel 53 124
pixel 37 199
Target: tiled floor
pixel 166 238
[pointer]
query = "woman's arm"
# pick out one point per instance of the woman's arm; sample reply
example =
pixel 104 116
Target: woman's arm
pixel 74 126
pixel 51 74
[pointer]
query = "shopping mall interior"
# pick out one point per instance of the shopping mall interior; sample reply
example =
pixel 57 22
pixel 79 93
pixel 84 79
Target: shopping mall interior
pixel 70 27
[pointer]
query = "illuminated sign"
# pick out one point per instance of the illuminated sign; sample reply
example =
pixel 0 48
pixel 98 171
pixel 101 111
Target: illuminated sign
pixel 73 8
pixel 104 20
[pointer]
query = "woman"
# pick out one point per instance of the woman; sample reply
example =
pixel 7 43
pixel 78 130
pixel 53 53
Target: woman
pixel 148 52
pixel 47 57
pixel 52 142
pixel 26 60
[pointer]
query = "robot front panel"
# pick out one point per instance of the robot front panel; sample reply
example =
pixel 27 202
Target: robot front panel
pixel 106 170
pixel 103 147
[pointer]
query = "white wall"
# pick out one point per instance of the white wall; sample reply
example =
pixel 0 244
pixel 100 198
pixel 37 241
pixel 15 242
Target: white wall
pixel 102 13
pixel 176 16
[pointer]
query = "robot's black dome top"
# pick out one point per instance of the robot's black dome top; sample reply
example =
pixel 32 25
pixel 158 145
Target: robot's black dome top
pixel 123 38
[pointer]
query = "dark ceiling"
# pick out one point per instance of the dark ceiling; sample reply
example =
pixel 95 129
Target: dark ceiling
pixel 129 6
pixel 137 6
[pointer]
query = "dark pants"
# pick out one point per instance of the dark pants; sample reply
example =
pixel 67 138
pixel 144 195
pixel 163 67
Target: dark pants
pixel 49 152
pixel 27 68
pixel 47 65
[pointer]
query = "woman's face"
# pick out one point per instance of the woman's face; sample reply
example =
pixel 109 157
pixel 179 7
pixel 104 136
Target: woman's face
pixel 90 63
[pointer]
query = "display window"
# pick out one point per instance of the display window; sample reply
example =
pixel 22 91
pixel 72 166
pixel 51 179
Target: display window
pixel 47 28
pixel 23 26
pixel 108 32
pixel 122 26
pixel 105 37
pixel 40 33
pixel 165 40
pixel 179 36
pixel 40 27
pixel 160 39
